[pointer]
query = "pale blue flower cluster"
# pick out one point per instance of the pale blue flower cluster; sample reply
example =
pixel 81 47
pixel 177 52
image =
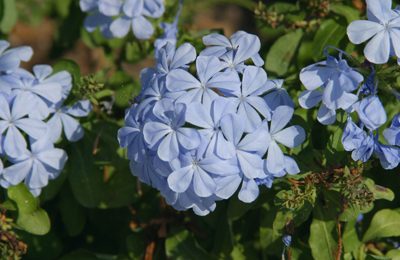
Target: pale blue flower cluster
pixel 382 29
pixel 200 138
pixel 116 18
pixel 32 117
pixel 338 86
pixel 331 83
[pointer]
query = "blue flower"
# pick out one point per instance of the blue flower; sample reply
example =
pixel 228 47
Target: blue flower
pixel 290 137
pixel 267 181
pixel 278 96
pixel 152 94
pixel 63 119
pixel 352 136
pixel 42 92
pixel 13 120
pixel 382 27
pixel 130 14
pixel 370 85
pixel 196 169
pixel 131 135
pixel 168 58
pixel 36 167
pixel 389 156
pixel 248 98
pixel 355 139
pixel 167 134
pixel 208 118
pixel 331 82
pixel 87 5
pixel 145 170
pixel 199 139
pixel 248 151
pixel 170 30
pixel 392 134
pixel 234 51
pixel 287 240
pixel 365 145
pixel 210 78
pixel 10 59
pixel 96 18
pixel 365 149
pixel 134 13
pixel 371 112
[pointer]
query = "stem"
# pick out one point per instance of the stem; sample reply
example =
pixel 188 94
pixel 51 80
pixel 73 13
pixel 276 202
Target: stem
pixel 340 242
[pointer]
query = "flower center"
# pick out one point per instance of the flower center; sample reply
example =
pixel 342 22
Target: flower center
pixel 386 26
pixel 195 163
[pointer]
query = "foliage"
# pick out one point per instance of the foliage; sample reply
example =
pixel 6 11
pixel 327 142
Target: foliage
pixel 335 208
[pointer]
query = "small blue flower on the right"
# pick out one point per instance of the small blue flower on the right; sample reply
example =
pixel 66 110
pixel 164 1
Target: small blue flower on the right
pixel 382 29
pixel 344 88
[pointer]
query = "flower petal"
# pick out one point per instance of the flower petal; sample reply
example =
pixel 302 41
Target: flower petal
pixel 378 48
pixel 361 31
pixel 142 28
pixel 180 179
pixel 275 159
pixel 203 184
pixel 280 118
pixel 120 27
pixel 168 148
pixel 188 138
pixel 249 191
pixel 291 137
pixel 310 98
pixel 72 129
pixel 326 116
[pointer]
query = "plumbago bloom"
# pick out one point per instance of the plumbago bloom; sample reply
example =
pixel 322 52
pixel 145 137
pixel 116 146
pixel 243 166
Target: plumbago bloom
pixel 338 86
pixel 200 137
pixel 10 59
pixel 330 82
pixel 32 117
pixel 116 18
pixel 382 29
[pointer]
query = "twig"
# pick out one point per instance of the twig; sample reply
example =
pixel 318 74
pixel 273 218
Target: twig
pixel 340 242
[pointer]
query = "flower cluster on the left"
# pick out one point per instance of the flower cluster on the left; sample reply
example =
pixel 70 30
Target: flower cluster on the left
pixel 32 118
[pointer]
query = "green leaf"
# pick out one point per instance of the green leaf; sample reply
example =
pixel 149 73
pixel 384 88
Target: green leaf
pixel 31 217
pixel 62 7
pixel 282 52
pixel 10 15
pixel 182 246
pixel 385 223
pixel 80 254
pixel 99 176
pixel 70 66
pixel 351 242
pixel 329 33
pixel 136 245
pixel 393 254
pixel 236 208
pixel 270 237
pixel 323 235
pixel 347 12
pixel 48 246
pixel 72 214
pixel 379 191
pixel 282 7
